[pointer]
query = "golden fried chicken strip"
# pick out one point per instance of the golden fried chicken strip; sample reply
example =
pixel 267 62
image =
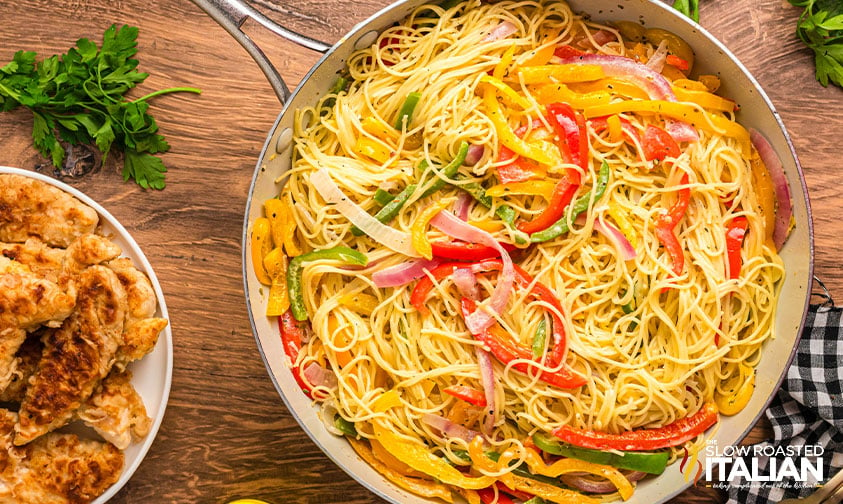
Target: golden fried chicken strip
pixel 76 356
pixel 26 301
pixel 116 411
pixel 56 468
pixel 28 356
pixel 142 328
pixel 30 207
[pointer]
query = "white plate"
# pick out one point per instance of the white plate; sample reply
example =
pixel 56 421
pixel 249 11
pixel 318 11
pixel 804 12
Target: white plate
pixel 152 375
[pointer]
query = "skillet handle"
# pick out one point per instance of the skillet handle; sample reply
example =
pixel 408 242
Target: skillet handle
pixel 231 14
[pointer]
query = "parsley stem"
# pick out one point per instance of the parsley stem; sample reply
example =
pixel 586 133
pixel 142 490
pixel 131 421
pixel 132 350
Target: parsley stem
pixel 169 90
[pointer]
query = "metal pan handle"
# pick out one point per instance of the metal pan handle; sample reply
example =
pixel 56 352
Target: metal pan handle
pixel 231 14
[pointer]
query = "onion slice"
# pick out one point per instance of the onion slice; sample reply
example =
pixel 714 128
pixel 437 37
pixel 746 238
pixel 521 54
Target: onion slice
pixel 475 153
pixel 449 428
pixel 318 376
pixel 404 273
pixel 617 238
pixel 654 83
pixel 487 378
pixel 385 235
pixel 466 282
pixel 500 31
pixel 481 319
pixel 586 484
pixel 784 206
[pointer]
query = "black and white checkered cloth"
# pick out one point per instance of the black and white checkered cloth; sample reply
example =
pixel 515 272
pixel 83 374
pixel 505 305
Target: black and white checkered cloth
pixel 808 409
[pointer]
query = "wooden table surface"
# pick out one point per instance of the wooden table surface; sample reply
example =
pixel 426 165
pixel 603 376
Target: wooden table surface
pixel 226 433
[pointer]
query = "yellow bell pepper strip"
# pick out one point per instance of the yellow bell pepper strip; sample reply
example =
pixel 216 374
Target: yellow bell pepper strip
pixel 373 149
pixel 261 242
pixel 557 73
pixel 377 128
pixel 506 135
pixel 278 300
pixel 667 222
pixel 360 302
pixel 543 188
pixel 424 488
pixel 673 434
pixel 296 267
pixel 765 193
pixel 509 94
pixel 501 68
pixel 405 113
pixel 615 87
pixel 623 222
pixel 549 93
pixel 680 111
pixel 541 489
pixel 283 225
pixel 613 123
pixel 417 455
pixel 689 84
pixel 735 400
pixel 704 99
pixel 419 228
pixel 561 226
pixel 541 55
pixel 563 193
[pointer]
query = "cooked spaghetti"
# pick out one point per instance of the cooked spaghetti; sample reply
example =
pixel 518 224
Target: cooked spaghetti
pixel 525 244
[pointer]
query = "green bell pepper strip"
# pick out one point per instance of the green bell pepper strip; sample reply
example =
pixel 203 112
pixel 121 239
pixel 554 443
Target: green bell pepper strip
pixel 296 267
pixel 382 197
pixel 561 226
pixel 539 339
pixel 390 210
pixel 345 426
pixel 648 462
pixel 406 111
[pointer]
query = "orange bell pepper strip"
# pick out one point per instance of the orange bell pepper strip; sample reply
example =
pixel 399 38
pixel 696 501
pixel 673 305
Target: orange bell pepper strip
pixel 666 223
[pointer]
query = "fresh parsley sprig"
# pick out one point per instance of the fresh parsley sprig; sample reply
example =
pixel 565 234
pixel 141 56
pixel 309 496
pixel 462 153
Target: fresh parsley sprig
pixel 690 8
pixel 820 27
pixel 78 98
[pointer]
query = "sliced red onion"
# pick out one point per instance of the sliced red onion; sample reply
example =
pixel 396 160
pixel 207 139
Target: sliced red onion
pixel 586 484
pixel 463 206
pixel 466 282
pixel 404 273
pixel 480 320
pixel 318 376
pixel 500 31
pixel 387 236
pixel 784 207
pixel 603 37
pixel 449 428
pixel 657 60
pixel 617 238
pixel 475 152
pixel 654 83
pixel 487 379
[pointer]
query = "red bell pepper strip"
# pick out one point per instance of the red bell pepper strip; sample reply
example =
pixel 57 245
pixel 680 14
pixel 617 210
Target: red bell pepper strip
pixel 423 287
pixel 658 144
pixel 464 251
pixel 569 126
pixel 467 394
pixel 487 496
pixel 673 434
pixel 506 351
pixel 680 63
pixel 562 195
pixel 667 222
pixel 735 233
pixel 292 335
pixel 567 51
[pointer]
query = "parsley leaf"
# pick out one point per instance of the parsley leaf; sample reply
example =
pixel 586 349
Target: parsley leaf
pixel 690 8
pixel 820 27
pixel 78 98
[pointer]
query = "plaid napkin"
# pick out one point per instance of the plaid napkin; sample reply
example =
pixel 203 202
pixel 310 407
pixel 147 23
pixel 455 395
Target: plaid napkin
pixel 806 412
